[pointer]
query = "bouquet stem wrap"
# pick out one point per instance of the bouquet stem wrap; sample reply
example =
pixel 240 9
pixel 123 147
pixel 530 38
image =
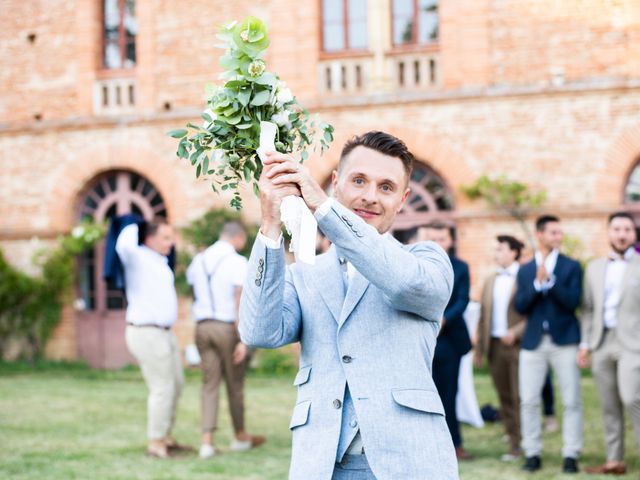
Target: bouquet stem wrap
pixel 294 213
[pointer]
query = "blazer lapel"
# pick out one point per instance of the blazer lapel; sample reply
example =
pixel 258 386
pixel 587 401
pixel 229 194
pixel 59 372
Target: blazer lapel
pixel 357 286
pixel 633 265
pixel 327 278
pixel 598 274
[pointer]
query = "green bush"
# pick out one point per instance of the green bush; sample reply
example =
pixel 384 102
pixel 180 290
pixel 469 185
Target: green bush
pixel 30 307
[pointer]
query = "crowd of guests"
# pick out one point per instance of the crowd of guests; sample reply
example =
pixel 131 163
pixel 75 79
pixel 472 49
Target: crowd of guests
pixel 545 315
pixel 528 326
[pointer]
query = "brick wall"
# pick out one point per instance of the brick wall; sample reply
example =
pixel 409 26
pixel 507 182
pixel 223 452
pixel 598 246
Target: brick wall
pixel 544 91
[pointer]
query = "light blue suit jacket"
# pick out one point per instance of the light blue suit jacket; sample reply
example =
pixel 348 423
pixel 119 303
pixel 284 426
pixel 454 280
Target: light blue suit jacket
pixel 379 336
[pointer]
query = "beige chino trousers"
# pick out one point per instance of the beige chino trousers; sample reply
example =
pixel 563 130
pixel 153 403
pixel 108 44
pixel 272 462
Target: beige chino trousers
pixel 617 375
pixel 158 355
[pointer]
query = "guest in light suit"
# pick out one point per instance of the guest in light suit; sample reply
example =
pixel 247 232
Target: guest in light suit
pixel 549 291
pixel 611 335
pixel 498 336
pixel 366 315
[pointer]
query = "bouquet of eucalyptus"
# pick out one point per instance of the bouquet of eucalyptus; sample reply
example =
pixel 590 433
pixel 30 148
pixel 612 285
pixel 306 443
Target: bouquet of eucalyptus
pixel 224 147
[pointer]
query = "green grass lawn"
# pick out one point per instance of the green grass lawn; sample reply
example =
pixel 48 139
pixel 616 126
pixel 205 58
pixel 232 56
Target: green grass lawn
pixel 70 422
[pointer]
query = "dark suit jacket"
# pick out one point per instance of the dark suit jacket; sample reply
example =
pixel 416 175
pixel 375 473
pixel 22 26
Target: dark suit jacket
pixel 557 306
pixel 455 329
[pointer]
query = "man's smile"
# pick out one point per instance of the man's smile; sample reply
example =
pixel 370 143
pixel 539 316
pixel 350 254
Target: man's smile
pixel 361 212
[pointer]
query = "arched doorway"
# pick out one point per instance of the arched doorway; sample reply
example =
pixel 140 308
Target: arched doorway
pixel 100 319
pixel 632 195
pixel 430 199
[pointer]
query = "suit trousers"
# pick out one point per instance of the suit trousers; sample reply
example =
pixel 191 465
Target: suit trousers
pixel 216 342
pixel 445 371
pixel 533 367
pixel 503 364
pixel 617 375
pixel 353 467
pixel 158 355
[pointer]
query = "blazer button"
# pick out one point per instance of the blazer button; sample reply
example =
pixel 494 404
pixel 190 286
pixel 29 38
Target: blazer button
pixel 346 359
pixel 337 403
pixel 261 262
pixel 258 283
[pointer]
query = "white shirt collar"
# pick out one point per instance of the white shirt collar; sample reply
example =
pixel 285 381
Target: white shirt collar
pixel 628 254
pixel 511 270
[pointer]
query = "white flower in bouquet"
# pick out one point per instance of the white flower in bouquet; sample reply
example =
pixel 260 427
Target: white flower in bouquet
pixel 282 118
pixel 224 147
pixel 283 96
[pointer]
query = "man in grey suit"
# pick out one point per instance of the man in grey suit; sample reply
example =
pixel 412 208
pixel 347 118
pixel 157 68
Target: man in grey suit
pixel 366 314
pixel 611 335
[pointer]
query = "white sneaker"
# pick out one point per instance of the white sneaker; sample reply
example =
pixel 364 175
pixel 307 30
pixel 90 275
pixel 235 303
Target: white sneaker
pixel 240 445
pixel 207 451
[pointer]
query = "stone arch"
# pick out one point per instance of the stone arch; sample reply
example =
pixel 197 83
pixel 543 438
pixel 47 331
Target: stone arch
pixel 74 177
pixel 620 160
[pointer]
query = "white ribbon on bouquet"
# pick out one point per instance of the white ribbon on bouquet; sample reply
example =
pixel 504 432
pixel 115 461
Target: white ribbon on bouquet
pixel 294 213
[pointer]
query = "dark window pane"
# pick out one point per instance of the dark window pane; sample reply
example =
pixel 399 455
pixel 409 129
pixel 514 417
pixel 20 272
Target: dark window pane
pixel 358 33
pixel 428 21
pixel 333 25
pixel 333 11
pixel 333 38
pixel 111 212
pixel 136 210
pixel 403 18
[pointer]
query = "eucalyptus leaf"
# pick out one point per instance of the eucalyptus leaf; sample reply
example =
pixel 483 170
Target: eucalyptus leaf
pixel 260 98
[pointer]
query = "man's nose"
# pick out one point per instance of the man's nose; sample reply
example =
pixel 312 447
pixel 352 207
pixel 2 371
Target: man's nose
pixel 370 194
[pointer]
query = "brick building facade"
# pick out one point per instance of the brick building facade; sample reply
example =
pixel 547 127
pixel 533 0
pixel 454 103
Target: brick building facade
pixel 546 92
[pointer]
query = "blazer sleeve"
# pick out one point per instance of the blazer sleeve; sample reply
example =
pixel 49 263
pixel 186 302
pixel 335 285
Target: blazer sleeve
pixel 418 280
pixel 526 294
pixel 586 310
pixel 270 314
pixel 454 311
pixel 568 294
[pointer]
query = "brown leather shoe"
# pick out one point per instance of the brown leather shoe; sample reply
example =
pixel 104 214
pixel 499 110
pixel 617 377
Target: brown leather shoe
pixel 604 469
pixel 157 452
pixel 462 455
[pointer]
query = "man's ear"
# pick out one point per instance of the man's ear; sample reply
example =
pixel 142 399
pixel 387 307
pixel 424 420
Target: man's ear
pixel 405 195
pixel 334 179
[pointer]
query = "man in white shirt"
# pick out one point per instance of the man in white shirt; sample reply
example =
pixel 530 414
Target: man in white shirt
pixel 151 312
pixel 498 336
pixel 610 319
pixel 217 276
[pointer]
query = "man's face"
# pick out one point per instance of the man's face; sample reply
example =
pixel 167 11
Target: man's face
pixel 162 241
pixel 622 234
pixel 372 185
pixel 239 242
pixel 441 236
pixel 503 255
pixel 550 238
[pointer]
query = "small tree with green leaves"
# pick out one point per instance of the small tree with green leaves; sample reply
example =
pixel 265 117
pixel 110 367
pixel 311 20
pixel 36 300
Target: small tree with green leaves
pixel 512 197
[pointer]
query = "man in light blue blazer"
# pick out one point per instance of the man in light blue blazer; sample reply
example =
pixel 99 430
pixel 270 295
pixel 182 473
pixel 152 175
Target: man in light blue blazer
pixel 366 314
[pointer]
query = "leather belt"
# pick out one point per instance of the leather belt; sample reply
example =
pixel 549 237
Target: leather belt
pixel 149 325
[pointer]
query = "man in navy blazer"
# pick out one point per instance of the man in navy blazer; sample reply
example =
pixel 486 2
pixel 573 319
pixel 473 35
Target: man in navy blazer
pixel 549 291
pixel 453 340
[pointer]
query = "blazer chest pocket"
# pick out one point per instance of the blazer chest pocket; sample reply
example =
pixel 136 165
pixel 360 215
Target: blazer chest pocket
pixel 303 376
pixel 300 414
pixel 417 399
